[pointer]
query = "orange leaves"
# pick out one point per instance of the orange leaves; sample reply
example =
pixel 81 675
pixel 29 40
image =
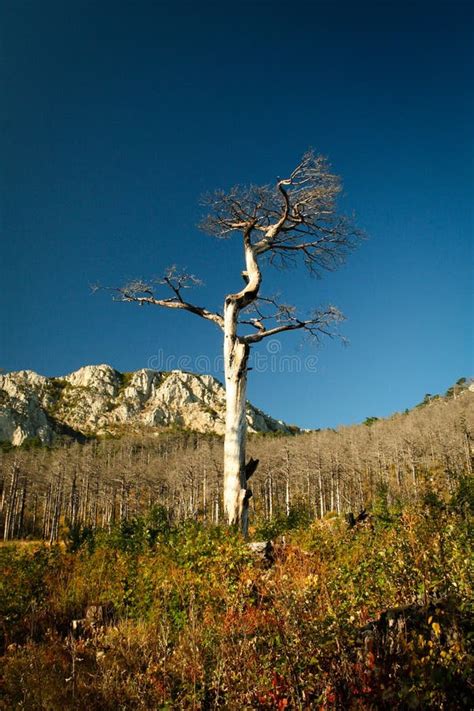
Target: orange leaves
pixel 249 621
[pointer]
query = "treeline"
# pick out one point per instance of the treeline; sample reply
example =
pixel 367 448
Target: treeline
pixel 105 482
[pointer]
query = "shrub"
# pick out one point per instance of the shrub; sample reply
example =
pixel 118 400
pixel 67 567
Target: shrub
pixel 361 618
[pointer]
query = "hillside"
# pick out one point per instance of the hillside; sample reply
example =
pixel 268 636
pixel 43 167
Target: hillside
pixel 148 602
pixel 112 479
pixel 98 400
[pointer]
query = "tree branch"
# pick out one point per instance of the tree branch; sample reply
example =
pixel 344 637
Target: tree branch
pixel 323 321
pixel 174 304
pixel 296 215
pixel 143 293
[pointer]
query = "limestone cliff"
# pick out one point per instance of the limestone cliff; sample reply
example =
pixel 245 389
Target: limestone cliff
pixel 98 399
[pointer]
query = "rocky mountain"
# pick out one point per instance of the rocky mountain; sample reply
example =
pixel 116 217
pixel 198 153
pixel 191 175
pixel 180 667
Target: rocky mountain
pixel 99 400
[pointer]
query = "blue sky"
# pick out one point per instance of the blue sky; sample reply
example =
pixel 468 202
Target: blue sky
pixel 117 117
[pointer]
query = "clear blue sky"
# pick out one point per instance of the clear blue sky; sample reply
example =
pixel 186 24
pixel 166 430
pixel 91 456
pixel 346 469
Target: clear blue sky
pixel 117 116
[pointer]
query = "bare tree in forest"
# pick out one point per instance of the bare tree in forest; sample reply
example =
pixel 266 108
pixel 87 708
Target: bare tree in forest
pixel 294 220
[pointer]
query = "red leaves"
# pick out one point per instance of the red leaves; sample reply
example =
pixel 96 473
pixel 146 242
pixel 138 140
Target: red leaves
pixel 370 660
pixel 277 697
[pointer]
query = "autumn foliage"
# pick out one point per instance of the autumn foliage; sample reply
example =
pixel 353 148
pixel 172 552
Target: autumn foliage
pixel 173 616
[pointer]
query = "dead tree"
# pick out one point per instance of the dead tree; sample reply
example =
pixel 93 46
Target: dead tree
pixel 11 503
pixel 293 220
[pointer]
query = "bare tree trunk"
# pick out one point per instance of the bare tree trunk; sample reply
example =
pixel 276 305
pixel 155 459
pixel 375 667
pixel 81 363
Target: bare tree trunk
pixel 270 496
pixel 56 512
pixel 236 354
pixel 413 471
pixel 468 450
pixel 204 497
pixel 21 511
pixel 360 488
pixel 235 483
pixel 398 470
pixel 321 495
pixel 46 509
pixel 4 493
pixel 74 500
pixel 34 515
pixel 9 526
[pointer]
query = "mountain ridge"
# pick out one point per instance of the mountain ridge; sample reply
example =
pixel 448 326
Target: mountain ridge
pixel 100 400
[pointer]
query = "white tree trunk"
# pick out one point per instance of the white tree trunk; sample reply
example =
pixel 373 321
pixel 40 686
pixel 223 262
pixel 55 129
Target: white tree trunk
pixel 321 495
pixel 287 485
pixel 236 353
pixel 235 484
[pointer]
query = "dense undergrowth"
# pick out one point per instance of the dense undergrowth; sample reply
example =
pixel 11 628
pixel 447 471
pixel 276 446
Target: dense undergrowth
pixel 371 617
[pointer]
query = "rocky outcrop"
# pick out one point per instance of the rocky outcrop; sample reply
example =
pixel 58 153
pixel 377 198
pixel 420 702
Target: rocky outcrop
pixel 98 400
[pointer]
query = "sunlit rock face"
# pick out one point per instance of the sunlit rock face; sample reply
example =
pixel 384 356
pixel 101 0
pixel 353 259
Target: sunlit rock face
pixel 98 399
pixel 23 404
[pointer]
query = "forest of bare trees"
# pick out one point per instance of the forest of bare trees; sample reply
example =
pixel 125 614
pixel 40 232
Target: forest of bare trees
pixel 45 492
